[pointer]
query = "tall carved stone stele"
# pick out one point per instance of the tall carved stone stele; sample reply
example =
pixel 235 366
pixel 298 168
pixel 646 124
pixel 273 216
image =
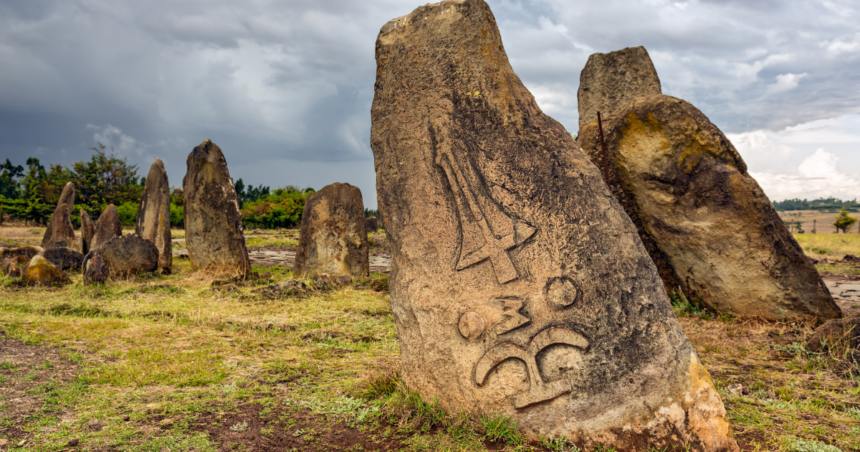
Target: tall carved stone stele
pixel 709 227
pixel 153 215
pixel 88 230
pixel 333 234
pixel 213 225
pixel 60 231
pixel 518 285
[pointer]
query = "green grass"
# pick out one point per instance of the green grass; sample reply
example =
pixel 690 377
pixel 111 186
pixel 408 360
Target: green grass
pixel 829 245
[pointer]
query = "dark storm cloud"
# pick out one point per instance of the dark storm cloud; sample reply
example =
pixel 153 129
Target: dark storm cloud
pixel 281 84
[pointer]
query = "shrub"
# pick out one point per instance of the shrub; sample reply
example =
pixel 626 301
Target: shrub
pixel 127 213
pixel 280 209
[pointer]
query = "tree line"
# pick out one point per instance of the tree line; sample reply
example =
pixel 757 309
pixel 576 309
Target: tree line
pixel 30 193
pixel 821 204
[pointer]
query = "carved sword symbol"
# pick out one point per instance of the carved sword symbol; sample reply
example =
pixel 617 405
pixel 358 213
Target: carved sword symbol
pixel 539 390
pixel 495 248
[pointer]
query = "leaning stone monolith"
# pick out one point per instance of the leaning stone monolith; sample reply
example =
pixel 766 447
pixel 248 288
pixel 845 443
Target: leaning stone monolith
pixel 60 230
pixel 88 230
pixel 611 80
pixel 708 224
pixel 333 237
pixel 153 215
pixel 108 227
pixel 213 223
pixel 519 286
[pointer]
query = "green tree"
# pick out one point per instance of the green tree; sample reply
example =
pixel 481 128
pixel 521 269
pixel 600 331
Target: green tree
pixel 844 221
pixel 250 193
pixel 9 175
pixel 105 179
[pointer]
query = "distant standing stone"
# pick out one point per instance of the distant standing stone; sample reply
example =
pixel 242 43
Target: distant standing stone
pixel 371 224
pixel 708 225
pixel 519 286
pixel 108 227
pixel 88 230
pixel 213 223
pixel 41 271
pixel 333 236
pixel 60 229
pixel 153 215
pixel 611 80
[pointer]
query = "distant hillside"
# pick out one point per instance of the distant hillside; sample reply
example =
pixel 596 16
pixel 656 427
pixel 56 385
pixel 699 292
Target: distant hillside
pixel 820 204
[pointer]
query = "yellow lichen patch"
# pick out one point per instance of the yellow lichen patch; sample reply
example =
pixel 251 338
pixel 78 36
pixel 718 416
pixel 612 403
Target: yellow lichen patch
pixel 641 144
pixel 697 145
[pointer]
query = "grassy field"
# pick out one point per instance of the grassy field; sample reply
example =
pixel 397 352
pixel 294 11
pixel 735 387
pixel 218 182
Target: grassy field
pixel 821 222
pixel 187 363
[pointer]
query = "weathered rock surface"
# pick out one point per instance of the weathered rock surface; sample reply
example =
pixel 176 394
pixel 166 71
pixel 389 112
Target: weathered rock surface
pixel 108 227
pixel 371 224
pixel 333 238
pixel 125 256
pixel 6 245
pixel 43 272
pixel 88 230
pixel 96 270
pixel 213 224
pixel 28 251
pixel 60 229
pixel 14 266
pixel 705 221
pixel 611 80
pixel 153 215
pixel 63 257
pixel 519 286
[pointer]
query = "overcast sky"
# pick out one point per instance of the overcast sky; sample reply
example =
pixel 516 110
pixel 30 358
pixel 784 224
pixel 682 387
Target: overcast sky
pixel 285 87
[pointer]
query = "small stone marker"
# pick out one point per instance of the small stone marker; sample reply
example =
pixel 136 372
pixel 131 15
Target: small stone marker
pixel 611 80
pixel 13 266
pixel 28 251
pixel 519 286
pixel 60 229
pixel 41 271
pixel 707 224
pixel 153 215
pixel 213 223
pixel 333 238
pixel 108 227
pixel 95 270
pixel 371 224
pixel 88 230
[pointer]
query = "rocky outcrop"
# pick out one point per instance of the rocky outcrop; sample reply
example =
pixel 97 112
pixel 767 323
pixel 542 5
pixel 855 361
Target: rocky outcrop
pixel 42 272
pixel 705 221
pixel 124 256
pixel 63 257
pixel 333 238
pixel 213 224
pixel 611 80
pixel 60 229
pixel 519 286
pixel 88 230
pixel 153 215
pixel 14 266
pixel 108 227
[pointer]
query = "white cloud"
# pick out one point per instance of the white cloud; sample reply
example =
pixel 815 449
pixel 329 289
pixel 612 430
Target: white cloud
pixel 817 176
pixel 838 47
pixel 759 148
pixel 113 138
pixel 785 82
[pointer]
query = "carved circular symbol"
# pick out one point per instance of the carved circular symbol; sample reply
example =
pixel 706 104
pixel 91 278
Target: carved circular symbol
pixel 472 325
pixel 561 292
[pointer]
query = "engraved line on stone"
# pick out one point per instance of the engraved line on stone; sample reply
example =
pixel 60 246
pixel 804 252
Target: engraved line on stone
pixel 513 318
pixel 539 390
pixel 494 248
